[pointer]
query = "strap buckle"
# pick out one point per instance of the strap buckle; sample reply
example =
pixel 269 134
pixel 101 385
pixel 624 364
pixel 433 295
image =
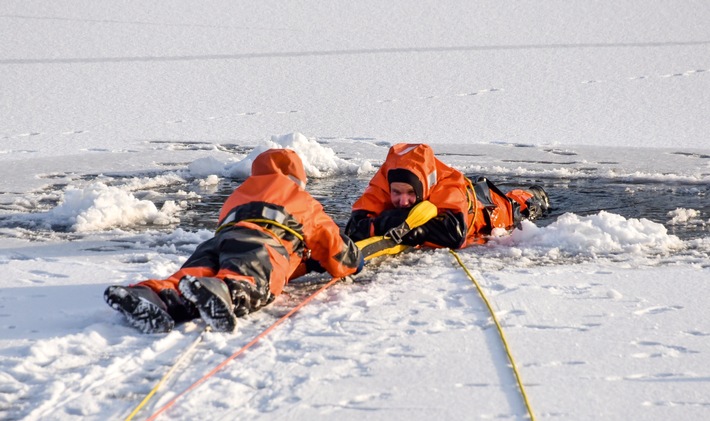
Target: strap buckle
pixel 396 233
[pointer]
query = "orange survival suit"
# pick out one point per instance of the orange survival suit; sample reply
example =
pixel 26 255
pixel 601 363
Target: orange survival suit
pixel 467 210
pixel 270 230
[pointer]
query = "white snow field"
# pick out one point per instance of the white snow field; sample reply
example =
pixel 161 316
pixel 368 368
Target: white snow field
pixel 118 120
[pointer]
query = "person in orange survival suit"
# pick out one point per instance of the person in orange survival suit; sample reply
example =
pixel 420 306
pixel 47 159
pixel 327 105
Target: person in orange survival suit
pixel 270 230
pixel 468 210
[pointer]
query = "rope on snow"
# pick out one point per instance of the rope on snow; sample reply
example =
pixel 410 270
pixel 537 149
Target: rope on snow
pixel 177 362
pixel 241 351
pixel 500 332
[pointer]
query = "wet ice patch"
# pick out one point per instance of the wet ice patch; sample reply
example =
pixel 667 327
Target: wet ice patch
pixel 99 207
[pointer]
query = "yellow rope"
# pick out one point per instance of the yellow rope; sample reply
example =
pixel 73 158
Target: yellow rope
pixel 500 331
pixel 472 203
pixel 278 224
pixel 262 221
pixel 166 375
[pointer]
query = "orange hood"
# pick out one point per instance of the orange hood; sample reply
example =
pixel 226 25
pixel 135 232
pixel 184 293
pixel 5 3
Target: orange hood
pixel 418 159
pixel 280 161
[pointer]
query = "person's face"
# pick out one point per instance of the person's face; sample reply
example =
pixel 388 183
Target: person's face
pixel 402 195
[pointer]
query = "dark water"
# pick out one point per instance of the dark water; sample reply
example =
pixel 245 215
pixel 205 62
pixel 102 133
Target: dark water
pixel 652 201
pixel 630 199
pixel 336 195
pixel 583 196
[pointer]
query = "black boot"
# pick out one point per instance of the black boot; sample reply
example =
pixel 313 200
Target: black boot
pixel 538 205
pixel 245 297
pixel 212 299
pixel 179 308
pixel 142 307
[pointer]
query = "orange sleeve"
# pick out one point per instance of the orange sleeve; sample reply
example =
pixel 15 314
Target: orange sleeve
pixel 336 253
pixel 450 194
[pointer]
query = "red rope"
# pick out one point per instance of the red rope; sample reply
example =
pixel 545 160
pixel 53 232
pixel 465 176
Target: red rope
pixel 241 351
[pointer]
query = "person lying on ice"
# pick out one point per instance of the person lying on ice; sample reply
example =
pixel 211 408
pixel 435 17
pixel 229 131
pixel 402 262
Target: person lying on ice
pixel 467 210
pixel 270 230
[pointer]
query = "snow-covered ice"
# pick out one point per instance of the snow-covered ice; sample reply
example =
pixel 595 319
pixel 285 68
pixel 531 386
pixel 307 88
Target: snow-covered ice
pixel 121 122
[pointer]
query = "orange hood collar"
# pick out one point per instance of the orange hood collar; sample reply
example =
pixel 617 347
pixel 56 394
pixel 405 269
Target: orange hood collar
pixel 280 161
pixel 417 158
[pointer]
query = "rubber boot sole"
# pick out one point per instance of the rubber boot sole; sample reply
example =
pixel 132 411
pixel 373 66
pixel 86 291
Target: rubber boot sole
pixel 140 312
pixel 211 297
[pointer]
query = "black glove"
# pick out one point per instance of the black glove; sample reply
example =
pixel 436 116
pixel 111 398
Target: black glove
pixel 389 219
pixel 358 226
pixel 446 230
pixel 416 236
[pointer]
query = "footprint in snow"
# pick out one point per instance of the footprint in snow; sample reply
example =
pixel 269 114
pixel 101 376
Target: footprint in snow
pixel 657 310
